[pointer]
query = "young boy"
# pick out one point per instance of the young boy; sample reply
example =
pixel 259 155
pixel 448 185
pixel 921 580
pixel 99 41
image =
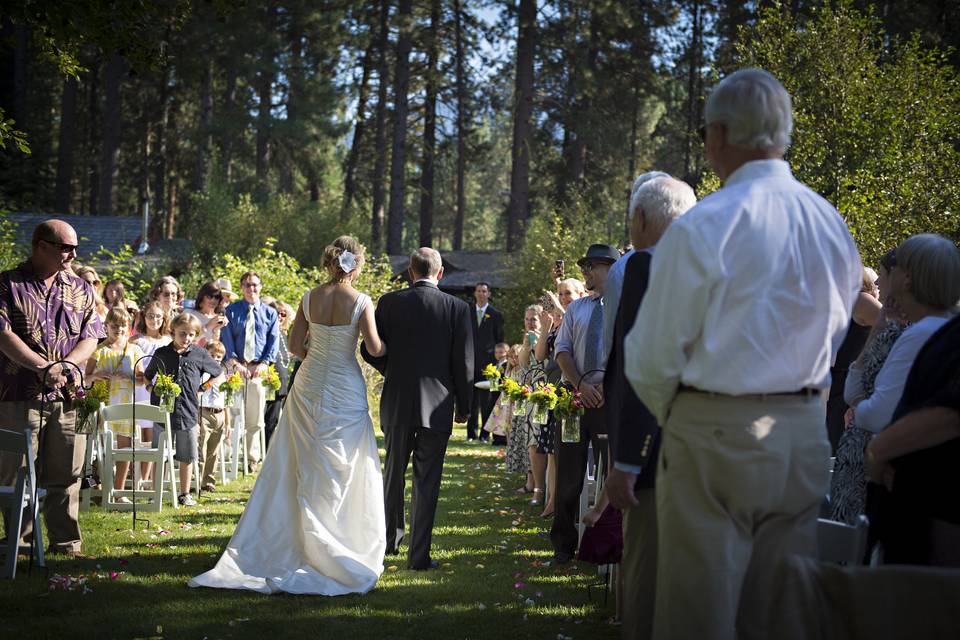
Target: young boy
pixel 214 419
pixel 186 362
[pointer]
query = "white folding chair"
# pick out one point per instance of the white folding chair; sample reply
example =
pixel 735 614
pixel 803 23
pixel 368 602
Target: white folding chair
pixel 162 456
pixel 94 451
pixel 842 543
pixel 14 500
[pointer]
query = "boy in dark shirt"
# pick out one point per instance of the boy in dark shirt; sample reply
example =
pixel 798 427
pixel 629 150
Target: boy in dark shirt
pixel 186 362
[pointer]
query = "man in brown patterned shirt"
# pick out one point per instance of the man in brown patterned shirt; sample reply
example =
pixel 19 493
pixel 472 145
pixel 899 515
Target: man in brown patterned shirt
pixel 47 314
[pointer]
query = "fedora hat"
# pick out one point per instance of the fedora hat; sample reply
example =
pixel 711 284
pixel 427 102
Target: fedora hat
pixel 599 253
pixel 225 288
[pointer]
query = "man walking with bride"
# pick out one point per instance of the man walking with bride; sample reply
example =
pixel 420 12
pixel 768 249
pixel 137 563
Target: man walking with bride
pixel 315 521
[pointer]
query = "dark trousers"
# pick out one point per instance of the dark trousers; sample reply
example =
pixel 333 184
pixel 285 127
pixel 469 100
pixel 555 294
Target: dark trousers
pixel 480 411
pixel 571 466
pixel 427 448
pixel 836 408
pixel 271 417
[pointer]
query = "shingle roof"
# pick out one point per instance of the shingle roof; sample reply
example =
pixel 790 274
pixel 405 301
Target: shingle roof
pixel 109 232
pixel 463 269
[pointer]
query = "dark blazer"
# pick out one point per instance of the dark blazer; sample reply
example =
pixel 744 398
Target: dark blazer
pixel 633 431
pixel 485 338
pixel 429 362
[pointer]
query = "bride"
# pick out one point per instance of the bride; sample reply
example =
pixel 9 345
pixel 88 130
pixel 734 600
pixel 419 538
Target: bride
pixel 314 523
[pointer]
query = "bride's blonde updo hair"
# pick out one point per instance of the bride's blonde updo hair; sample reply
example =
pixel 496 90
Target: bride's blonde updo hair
pixel 334 251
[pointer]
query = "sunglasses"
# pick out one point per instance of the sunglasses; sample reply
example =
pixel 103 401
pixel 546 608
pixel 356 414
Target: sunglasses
pixel 65 248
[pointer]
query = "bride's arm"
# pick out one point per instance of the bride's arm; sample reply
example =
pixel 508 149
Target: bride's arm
pixel 371 338
pixel 298 335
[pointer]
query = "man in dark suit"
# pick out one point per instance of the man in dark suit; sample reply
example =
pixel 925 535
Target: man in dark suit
pixel 487 332
pixel 429 379
pixel 634 435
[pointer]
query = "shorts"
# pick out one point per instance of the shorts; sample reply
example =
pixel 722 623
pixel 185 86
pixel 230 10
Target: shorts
pixel 185 447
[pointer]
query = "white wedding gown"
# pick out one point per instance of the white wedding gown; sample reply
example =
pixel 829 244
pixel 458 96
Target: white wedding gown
pixel 314 523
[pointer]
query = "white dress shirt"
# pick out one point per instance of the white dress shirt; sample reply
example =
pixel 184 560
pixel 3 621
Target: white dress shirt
pixel 572 336
pixel 751 292
pixel 875 412
pixel 611 300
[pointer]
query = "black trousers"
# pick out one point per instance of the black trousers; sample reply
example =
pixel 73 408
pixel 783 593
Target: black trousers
pixel 480 410
pixel 571 466
pixel 271 416
pixel 427 448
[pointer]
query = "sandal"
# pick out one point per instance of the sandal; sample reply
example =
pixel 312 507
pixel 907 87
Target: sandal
pixel 537 501
pixel 525 489
pixel 547 514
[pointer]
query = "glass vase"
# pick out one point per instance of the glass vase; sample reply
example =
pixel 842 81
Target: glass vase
pixel 494 385
pixel 167 403
pixel 519 407
pixel 540 415
pixel 271 394
pixel 571 429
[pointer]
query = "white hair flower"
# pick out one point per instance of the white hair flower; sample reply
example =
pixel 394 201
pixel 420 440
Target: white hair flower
pixel 348 261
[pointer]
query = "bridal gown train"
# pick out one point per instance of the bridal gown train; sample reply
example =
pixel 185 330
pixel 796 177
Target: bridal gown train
pixel 314 523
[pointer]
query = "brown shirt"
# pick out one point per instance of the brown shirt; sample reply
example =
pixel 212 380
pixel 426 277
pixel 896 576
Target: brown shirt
pixel 50 320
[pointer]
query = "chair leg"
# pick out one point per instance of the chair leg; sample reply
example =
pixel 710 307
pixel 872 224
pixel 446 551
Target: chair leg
pixel 15 521
pixel 38 534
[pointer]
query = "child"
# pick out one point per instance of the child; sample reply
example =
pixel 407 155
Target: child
pixel 517 460
pixel 186 362
pixel 152 332
pixel 500 353
pixel 214 419
pixel 118 361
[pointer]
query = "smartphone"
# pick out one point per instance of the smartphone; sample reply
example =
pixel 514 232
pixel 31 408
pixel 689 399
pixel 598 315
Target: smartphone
pixel 558 265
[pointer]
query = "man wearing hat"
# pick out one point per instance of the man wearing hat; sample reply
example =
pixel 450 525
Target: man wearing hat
pixel 581 358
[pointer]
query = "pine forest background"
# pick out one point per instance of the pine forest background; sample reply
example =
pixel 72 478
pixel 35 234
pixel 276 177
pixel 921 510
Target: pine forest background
pixel 459 124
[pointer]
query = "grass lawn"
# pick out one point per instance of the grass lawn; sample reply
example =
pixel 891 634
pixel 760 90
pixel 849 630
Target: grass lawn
pixel 493 581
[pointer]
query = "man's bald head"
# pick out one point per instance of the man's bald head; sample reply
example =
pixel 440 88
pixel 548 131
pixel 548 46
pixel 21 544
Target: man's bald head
pixel 56 231
pixel 425 263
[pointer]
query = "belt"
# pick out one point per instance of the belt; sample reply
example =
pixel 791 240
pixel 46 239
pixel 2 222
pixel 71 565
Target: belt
pixel 806 392
pixel 213 409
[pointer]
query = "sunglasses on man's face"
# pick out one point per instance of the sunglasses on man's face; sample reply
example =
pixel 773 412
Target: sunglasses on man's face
pixel 64 247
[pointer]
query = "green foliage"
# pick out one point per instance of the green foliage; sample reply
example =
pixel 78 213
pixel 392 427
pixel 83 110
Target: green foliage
pixel 10 252
pixel 549 238
pixel 875 127
pixel 14 136
pixel 136 275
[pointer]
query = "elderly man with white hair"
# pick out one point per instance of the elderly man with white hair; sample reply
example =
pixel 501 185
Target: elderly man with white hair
pixel 751 294
pixel 633 432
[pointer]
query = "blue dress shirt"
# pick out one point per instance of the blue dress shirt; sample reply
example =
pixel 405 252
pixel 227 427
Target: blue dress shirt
pixel 266 331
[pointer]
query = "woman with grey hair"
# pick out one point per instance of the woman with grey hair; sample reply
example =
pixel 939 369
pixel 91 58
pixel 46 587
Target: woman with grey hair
pixel 923 291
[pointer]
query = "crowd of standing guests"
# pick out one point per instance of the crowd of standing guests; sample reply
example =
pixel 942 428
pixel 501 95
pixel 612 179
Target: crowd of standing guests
pixel 722 360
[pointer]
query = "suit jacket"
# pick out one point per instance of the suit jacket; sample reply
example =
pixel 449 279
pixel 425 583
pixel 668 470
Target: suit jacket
pixel 634 435
pixel 429 362
pixel 485 338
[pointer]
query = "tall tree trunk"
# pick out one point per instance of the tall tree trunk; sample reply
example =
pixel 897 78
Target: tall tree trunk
pixel 359 128
pixel 295 73
pixel 519 208
pixel 693 98
pixel 380 153
pixel 160 146
pixel 265 104
pixel 21 56
pixel 632 162
pixel 143 190
pixel 68 122
pixel 111 135
pixel 429 130
pixel 229 108
pixel 461 130
pixel 398 159
pixel 173 173
pixel 204 141
pixel 91 174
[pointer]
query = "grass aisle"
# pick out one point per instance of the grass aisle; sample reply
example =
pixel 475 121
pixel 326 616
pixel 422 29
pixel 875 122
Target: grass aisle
pixel 493 581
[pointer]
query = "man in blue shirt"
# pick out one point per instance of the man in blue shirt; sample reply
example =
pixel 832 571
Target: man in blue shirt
pixel 251 338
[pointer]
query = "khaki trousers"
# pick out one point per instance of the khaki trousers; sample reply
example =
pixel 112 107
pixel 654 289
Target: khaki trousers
pixel 59 466
pixel 255 403
pixel 638 567
pixel 212 426
pixel 738 489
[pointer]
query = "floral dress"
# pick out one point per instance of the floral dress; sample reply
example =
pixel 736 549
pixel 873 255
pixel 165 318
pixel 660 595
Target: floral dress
pixel 517 458
pixel 120 361
pixel 848 486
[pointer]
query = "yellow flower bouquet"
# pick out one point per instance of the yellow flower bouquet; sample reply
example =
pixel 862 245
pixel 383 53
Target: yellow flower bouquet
pixel 168 390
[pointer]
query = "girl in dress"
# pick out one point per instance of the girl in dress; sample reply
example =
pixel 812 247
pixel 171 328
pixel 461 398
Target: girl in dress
pixel 517 460
pixel 152 332
pixel 118 361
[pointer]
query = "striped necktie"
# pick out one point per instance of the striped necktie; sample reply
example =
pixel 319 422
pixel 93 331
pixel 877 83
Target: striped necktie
pixel 250 336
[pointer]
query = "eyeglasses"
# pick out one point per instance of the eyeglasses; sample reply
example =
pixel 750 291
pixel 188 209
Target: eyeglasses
pixel 250 285
pixel 153 316
pixel 65 248
pixel 587 267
